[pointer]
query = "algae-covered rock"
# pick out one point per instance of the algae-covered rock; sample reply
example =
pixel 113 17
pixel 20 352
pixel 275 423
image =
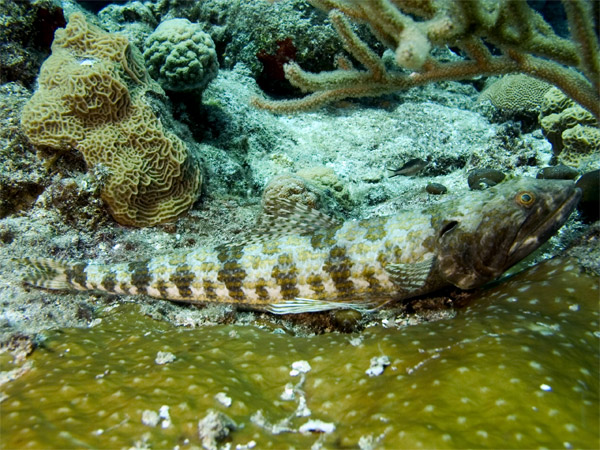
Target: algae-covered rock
pixel 26 32
pixel 22 175
pixel 317 187
pixel 326 179
pixel 291 187
pixel 516 368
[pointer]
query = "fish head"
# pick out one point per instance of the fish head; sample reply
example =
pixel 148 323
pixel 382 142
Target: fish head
pixel 483 233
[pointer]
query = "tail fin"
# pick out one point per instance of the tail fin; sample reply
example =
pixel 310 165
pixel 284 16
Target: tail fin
pixel 47 273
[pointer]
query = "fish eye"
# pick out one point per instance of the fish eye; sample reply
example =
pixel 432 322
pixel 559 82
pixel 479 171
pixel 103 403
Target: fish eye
pixel 525 198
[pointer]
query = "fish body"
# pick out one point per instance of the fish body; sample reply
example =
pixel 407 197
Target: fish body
pixel 410 168
pixel 302 261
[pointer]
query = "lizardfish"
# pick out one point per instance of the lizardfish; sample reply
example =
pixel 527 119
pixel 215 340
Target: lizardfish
pixel 300 260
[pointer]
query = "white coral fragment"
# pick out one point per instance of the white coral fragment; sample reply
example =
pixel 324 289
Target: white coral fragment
pixel 378 365
pixel 317 426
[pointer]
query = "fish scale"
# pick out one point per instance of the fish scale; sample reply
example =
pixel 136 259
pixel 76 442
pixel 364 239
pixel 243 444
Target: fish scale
pixel 280 269
pixel 311 263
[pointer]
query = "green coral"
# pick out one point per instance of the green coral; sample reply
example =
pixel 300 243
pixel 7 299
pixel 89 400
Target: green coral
pixel 517 368
pixel 180 56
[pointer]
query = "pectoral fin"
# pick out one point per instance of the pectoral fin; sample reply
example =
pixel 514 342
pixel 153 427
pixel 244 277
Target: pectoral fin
pixel 306 305
pixel 411 277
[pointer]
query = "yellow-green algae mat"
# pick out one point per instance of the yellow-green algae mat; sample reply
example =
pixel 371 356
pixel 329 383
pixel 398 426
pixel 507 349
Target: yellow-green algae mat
pixel 517 368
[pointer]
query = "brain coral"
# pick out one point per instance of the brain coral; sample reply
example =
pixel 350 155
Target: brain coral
pixel 180 56
pixel 516 93
pixel 91 98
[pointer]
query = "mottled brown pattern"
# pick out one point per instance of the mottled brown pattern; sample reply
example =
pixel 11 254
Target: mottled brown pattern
pixel 76 274
pixel 338 266
pixel 260 289
pixel 368 274
pixel 230 252
pixel 162 287
pixel 109 282
pixel 177 259
pixel 429 243
pixel 316 284
pixel 140 275
pixel 270 248
pixel 285 274
pixel 375 228
pixel 382 258
pixel 232 275
pixel 209 289
pixel 207 267
pixel 324 238
pixel 183 278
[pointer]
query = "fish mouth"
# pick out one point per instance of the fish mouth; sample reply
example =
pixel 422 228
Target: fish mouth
pixel 527 240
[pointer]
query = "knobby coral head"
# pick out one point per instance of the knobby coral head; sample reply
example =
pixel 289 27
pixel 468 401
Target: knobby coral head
pixel 180 56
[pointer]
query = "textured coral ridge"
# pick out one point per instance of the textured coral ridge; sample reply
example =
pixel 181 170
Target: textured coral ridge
pixel 90 98
pixel 517 368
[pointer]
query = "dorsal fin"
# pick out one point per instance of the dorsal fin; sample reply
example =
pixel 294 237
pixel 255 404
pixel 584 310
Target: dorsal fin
pixel 282 217
pixel 289 217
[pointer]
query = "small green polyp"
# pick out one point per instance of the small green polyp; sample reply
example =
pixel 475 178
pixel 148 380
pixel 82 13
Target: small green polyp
pixel 517 368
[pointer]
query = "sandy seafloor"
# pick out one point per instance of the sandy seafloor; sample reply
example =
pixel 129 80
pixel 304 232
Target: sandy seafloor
pixel 514 365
